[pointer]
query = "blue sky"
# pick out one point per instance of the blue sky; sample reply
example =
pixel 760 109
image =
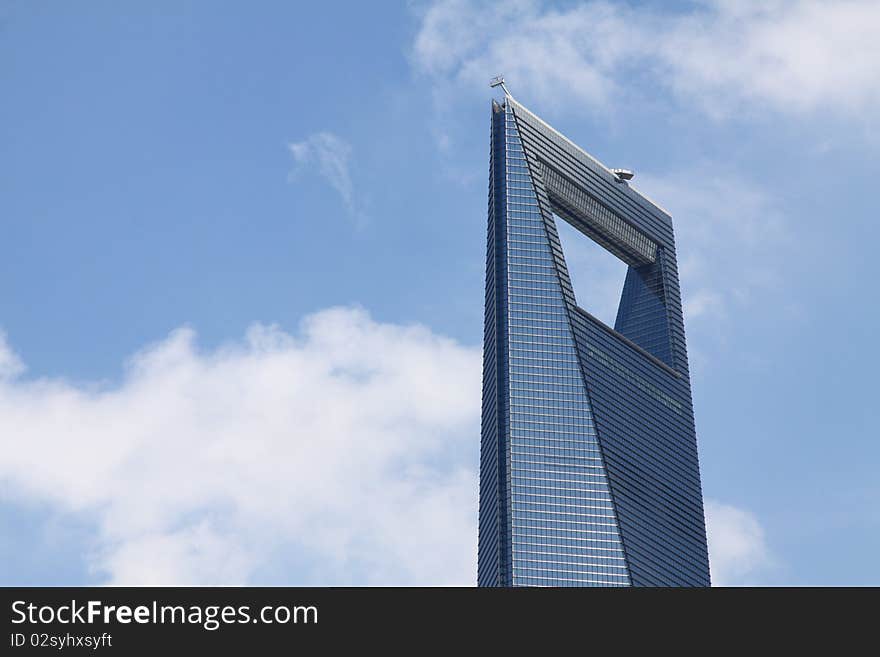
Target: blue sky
pixel 242 262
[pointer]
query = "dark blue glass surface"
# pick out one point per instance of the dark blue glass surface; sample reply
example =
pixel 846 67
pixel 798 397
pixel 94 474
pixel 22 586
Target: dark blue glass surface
pixel 589 473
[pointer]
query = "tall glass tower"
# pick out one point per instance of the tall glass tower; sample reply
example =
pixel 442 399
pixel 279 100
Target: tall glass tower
pixel 588 462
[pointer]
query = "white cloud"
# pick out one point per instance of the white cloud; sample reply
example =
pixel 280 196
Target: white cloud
pixel 332 156
pixel 10 364
pixel 349 447
pixel 724 56
pixel 737 545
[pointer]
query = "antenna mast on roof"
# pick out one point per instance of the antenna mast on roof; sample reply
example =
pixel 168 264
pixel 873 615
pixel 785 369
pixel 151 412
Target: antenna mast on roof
pixel 498 81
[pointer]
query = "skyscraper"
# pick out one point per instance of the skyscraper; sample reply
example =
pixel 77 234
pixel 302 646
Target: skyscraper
pixel 588 462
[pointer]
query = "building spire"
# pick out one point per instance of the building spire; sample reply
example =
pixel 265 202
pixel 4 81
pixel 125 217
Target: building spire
pixel 498 81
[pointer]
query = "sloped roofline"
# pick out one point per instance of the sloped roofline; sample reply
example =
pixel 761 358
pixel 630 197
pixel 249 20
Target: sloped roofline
pixel 518 104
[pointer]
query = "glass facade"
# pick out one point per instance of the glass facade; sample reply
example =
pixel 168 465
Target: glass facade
pixel 588 472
